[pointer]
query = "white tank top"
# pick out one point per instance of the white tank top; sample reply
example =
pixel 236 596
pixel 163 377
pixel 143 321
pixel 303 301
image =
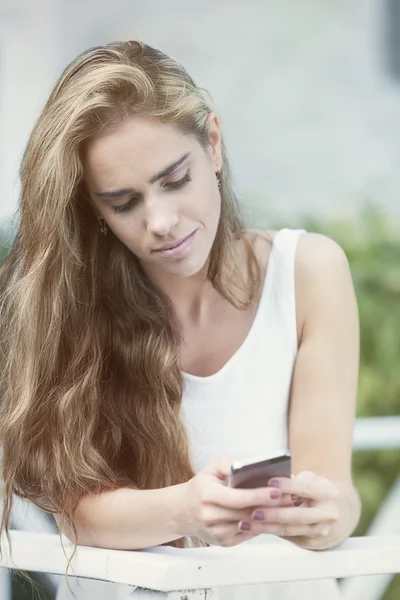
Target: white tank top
pixel 242 410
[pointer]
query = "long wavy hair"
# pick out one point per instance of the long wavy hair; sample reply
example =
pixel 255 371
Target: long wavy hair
pixel 90 383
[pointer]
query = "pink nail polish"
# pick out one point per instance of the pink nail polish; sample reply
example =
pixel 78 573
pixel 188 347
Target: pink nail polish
pixel 259 515
pixel 245 526
pixel 274 483
pixel 274 494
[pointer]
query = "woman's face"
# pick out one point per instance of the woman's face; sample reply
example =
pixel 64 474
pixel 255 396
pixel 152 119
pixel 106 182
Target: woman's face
pixel 157 190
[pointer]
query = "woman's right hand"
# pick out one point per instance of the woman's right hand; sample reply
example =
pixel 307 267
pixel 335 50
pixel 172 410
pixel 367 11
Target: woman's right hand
pixel 211 510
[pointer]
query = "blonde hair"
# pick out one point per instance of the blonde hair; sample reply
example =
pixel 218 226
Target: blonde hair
pixel 89 376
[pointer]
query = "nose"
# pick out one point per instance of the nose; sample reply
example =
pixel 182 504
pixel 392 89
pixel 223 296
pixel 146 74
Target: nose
pixel 161 218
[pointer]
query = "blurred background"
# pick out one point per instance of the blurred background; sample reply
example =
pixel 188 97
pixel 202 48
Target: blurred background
pixel 308 94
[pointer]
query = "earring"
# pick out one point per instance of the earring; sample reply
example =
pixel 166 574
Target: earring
pixel 219 184
pixel 103 226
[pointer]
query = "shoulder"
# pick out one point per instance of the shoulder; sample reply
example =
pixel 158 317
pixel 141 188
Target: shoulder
pixel 323 279
pixel 314 251
pixel 324 290
pixel 318 253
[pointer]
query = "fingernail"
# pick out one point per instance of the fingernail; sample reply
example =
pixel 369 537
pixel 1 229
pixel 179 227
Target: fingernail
pixel 245 526
pixel 274 483
pixel 274 494
pixel 297 501
pixel 259 515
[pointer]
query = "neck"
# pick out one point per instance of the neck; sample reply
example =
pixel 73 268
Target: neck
pixel 188 295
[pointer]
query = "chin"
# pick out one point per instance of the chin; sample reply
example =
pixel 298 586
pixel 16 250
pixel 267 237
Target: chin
pixel 190 270
pixel 188 267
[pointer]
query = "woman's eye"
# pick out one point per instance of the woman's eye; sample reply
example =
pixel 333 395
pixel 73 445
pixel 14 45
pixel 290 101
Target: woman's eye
pixel 171 185
pixel 123 207
pixel 175 185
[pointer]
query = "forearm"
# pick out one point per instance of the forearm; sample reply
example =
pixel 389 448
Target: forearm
pixel 129 519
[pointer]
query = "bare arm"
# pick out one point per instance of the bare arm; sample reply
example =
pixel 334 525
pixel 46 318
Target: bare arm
pixel 322 404
pixel 203 507
pixel 324 388
pixel 129 519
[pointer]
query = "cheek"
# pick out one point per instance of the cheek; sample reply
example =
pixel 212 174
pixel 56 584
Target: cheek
pixel 214 206
pixel 209 202
pixel 127 231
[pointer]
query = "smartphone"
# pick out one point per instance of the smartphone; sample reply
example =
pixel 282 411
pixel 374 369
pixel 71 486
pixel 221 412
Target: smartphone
pixel 256 472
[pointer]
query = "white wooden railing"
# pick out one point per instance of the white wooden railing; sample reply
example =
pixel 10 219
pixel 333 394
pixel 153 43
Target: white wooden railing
pixel 174 574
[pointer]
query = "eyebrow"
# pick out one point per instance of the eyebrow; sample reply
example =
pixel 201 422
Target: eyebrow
pixel 163 173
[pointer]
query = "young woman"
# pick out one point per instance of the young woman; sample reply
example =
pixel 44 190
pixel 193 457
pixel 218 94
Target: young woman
pixel 148 338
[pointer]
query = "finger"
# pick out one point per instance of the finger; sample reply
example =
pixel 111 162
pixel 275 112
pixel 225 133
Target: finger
pixel 217 515
pixel 286 500
pixel 308 475
pixel 320 490
pixel 220 468
pixel 289 531
pixel 228 536
pixel 298 501
pixel 235 498
pixel 212 515
pixel 297 515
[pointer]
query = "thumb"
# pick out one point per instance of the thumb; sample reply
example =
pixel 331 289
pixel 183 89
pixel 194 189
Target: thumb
pixel 220 468
pixel 308 476
pixel 304 476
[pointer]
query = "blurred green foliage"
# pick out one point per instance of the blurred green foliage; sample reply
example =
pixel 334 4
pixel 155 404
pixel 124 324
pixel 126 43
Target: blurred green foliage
pixel 372 245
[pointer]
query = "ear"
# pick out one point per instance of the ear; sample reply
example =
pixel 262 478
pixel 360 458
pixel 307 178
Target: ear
pixel 215 137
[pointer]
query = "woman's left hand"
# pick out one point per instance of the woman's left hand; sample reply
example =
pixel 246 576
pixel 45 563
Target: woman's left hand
pixel 310 521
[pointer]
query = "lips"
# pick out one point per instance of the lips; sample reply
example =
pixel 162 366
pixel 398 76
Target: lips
pixel 173 245
pixel 179 249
